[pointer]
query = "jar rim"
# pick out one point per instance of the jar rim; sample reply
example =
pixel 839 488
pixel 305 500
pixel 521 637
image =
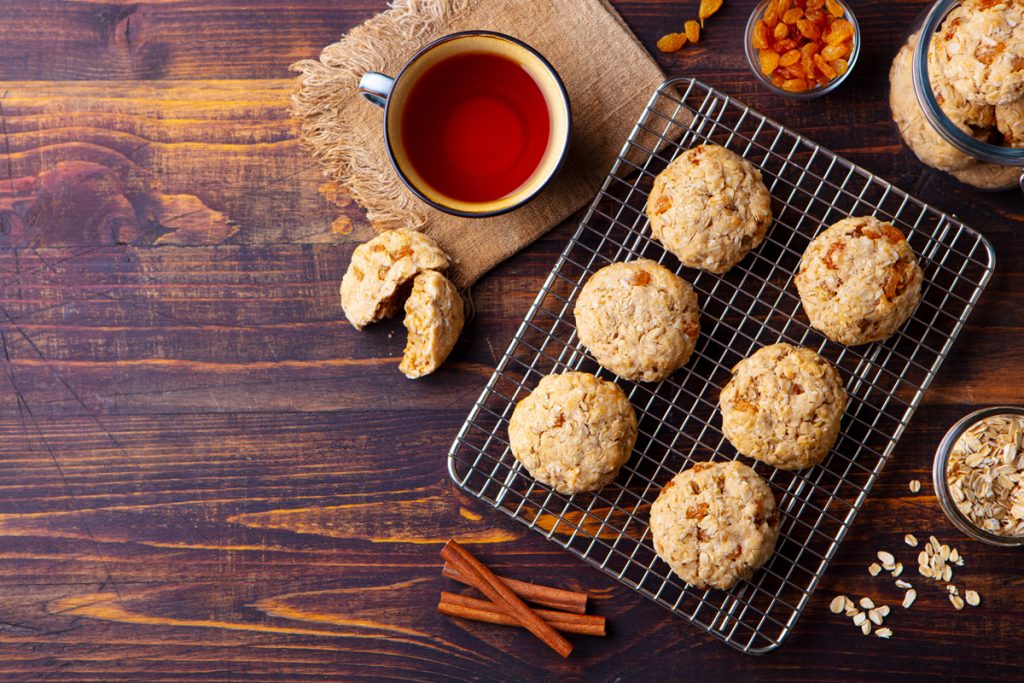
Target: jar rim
pixel 1006 156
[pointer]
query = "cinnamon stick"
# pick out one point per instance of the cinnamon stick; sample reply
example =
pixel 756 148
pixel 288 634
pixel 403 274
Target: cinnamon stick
pixel 494 588
pixel 556 598
pixel 466 607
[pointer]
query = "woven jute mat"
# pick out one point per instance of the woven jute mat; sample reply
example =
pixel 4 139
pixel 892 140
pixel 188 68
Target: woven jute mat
pixel 608 73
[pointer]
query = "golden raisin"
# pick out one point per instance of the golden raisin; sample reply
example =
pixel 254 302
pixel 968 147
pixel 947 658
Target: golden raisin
pixel 692 31
pixel 707 8
pixel 769 61
pixel 698 511
pixel 673 42
pixel 791 16
pixel 840 31
pixel 662 205
pixel 781 31
pixel 833 52
pixel 834 8
pixel 641 279
pixel 790 58
pixel 771 17
pixel 794 85
pixel 815 4
pixel 808 29
pixel 840 66
pixel 824 67
pixel 760 36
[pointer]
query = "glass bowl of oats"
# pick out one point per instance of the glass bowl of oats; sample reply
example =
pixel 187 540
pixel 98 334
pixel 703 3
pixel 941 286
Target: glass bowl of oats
pixel 979 475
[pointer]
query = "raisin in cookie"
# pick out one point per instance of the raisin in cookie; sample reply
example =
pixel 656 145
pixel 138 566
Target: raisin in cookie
pixel 859 281
pixel 715 524
pixel 783 406
pixel 434 316
pixel 709 207
pixel 372 286
pixel 638 319
pixel 573 432
pixel 983 41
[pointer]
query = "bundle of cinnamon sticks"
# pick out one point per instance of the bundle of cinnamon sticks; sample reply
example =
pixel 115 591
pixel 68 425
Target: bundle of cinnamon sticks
pixel 505 604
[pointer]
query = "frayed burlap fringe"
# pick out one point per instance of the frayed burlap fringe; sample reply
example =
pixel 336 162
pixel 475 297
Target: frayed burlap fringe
pixel 402 29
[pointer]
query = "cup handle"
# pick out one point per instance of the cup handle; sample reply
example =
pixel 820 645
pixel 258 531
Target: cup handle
pixel 376 87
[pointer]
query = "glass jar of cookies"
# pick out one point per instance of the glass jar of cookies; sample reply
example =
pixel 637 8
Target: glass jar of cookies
pixel 956 89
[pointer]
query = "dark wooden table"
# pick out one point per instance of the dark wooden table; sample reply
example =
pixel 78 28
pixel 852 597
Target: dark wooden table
pixel 204 474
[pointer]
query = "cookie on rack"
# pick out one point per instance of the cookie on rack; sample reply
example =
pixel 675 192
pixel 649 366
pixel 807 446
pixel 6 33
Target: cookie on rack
pixel 715 524
pixel 709 207
pixel 380 271
pixel 783 406
pixel 638 319
pixel 983 43
pixel 859 281
pixel 573 432
pixel 434 316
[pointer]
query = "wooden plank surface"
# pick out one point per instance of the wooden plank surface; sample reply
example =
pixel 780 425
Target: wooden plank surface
pixel 206 475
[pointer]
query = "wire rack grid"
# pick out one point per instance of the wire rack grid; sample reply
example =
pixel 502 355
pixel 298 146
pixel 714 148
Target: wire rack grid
pixel 753 305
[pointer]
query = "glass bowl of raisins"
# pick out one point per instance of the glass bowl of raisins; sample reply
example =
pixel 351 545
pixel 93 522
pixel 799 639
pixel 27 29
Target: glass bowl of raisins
pixel 802 48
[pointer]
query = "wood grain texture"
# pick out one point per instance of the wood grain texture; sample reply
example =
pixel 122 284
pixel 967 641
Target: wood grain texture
pixel 206 475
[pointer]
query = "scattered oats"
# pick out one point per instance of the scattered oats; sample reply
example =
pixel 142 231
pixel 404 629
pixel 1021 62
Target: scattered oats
pixel 915 486
pixel 852 611
pixel 951 589
pixel 876 617
pixel 910 540
pixel 903 584
pixel 944 553
pixel 859 618
pixel 867 603
pixel 954 555
pixel 973 599
pixel 957 601
pixel 884 633
pixel 865 628
pixel 897 570
pixel 960 561
pixel 922 558
pixel 909 597
pixel 887 559
pixel 884 610
pixel 874 569
pixel 935 543
pixel 925 571
pixel 947 573
pixel 837 605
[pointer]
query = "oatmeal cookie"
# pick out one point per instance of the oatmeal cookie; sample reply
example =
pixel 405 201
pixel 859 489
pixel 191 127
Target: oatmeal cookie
pixel 709 207
pixel 715 524
pixel 989 176
pixel 372 286
pixel 783 406
pixel 573 432
pixel 859 281
pixel 983 41
pixel 638 319
pixel 1010 122
pixel 434 316
pixel 930 147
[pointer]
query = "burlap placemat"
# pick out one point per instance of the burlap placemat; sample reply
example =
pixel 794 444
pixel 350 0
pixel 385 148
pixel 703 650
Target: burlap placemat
pixel 608 73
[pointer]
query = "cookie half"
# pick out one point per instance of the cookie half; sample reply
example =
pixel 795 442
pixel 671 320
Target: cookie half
pixel 381 269
pixel 434 316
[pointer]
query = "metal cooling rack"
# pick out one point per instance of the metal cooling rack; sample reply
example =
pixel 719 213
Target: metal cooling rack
pixel 752 305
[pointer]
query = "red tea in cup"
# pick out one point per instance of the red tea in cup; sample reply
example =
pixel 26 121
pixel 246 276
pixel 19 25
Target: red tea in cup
pixel 476 123
pixel 475 126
